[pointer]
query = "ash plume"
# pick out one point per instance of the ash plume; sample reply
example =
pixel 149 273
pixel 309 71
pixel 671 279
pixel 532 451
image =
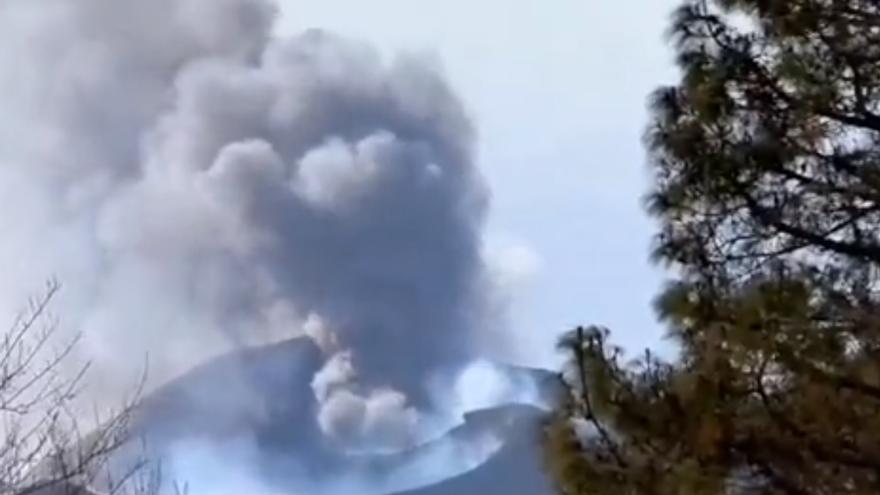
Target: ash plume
pixel 199 185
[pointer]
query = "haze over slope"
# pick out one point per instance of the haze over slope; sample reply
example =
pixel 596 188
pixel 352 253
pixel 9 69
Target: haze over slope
pixel 272 442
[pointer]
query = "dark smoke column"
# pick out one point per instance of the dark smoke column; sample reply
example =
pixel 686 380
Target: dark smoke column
pixel 216 187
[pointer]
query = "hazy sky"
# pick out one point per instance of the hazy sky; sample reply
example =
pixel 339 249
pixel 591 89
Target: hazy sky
pixel 557 89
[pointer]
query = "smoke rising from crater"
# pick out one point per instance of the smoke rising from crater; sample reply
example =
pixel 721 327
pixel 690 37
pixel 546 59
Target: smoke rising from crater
pixel 198 185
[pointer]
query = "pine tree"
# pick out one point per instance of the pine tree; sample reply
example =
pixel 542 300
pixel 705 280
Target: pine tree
pixel 766 157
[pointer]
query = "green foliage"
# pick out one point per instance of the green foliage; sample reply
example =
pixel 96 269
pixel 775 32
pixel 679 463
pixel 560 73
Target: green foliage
pixel 767 188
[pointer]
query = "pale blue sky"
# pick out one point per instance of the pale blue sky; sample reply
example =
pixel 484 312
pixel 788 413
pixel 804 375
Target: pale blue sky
pixel 557 89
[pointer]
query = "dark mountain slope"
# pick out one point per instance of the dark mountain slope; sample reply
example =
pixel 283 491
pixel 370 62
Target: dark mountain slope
pixel 262 398
pixel 515 469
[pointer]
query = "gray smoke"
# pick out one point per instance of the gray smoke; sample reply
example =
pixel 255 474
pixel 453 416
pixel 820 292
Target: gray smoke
pixel 199 185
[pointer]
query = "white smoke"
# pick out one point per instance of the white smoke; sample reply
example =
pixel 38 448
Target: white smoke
pixel 363 420
pixel 483 384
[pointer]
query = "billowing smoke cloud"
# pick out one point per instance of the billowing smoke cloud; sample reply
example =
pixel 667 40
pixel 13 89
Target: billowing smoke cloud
pixel 377 419
pixel 198 185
